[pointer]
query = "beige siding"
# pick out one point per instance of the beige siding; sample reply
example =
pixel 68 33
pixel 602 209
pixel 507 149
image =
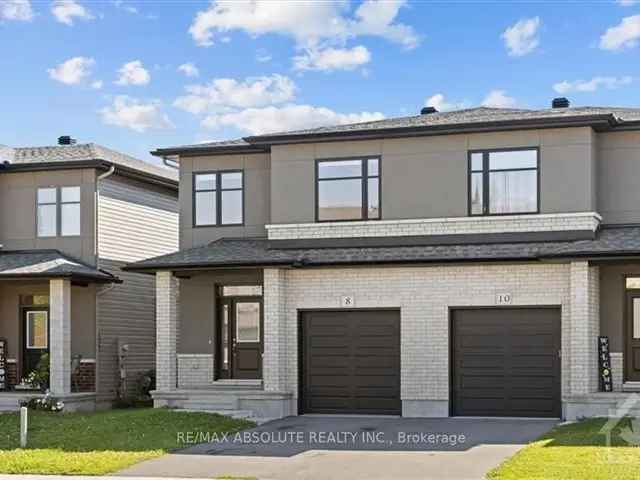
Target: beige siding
pixel 135 221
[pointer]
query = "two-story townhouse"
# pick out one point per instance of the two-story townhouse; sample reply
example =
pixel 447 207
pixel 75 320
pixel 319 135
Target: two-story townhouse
pixel 455 263
pixel 70 217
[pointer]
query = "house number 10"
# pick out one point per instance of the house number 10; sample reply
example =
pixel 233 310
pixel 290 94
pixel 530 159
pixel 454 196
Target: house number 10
pixel 503 298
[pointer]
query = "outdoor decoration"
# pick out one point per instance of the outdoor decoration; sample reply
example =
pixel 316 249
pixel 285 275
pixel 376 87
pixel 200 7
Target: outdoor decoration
pixel 604 362
pixel 3 364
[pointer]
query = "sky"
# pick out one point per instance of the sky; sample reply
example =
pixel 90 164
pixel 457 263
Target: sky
pixel 138 75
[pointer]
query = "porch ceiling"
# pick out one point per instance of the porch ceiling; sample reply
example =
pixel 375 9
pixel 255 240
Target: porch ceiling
pixel 25 264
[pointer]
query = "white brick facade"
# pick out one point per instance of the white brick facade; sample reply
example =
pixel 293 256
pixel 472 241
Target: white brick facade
pixel 274 364
pixel 437 226
pixel 585 326
pixel 60 336
pixel 167 314
pixel 424 296
pixel 194 370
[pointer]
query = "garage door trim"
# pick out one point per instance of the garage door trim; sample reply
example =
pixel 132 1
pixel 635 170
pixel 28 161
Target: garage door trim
pixel 300 329
pixel 453 309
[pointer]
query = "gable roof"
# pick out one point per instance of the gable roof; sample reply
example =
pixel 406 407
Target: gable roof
pixel 479 119
pixel 86 154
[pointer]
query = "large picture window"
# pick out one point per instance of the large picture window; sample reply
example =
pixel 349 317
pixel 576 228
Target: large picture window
pixel 218 198
pixel 503 182
pixel 58 211
pixel 348 189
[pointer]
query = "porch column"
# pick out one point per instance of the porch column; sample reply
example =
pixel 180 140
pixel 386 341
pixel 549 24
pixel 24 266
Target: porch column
pixel 60 333
pixel 274 361
pixel 585 327
pixel 167 312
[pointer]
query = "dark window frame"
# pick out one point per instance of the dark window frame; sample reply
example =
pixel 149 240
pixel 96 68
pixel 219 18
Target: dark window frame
pixel 218 194
pixel 58 204
pixel 364 186
pixel 485 180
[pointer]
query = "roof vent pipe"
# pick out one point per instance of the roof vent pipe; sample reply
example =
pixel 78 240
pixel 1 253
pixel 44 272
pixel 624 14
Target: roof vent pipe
pixel 560 102
pixel 428 110
pixel 66 140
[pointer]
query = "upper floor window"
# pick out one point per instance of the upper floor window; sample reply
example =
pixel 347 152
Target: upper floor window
pixel 218 198
pixel 58 211
pixel 503 182
pixel 348 189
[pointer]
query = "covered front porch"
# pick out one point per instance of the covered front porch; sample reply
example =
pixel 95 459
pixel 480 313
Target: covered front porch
pixel 48 328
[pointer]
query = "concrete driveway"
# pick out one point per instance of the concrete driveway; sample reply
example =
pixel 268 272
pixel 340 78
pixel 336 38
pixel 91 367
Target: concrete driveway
pixel 343 447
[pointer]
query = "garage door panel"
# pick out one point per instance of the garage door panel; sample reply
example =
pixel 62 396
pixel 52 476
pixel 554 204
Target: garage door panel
pixel 357 371
pixel 505 362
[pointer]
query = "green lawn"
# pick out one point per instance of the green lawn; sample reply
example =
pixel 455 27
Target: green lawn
pixel 576 452
pixel 99 443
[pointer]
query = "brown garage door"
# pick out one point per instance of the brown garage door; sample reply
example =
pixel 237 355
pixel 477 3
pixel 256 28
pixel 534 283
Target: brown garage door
pixel 350 362
pixel 506 362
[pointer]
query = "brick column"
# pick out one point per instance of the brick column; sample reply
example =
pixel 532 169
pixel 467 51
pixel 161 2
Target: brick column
pixel 60 336
pixel 585 327
pixel 167 311
pixel 274 360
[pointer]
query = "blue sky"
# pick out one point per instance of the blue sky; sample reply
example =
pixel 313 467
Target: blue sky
pixel 110 71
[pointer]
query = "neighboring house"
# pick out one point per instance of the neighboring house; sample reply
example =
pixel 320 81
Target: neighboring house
pixel 70 217
pixel 456 263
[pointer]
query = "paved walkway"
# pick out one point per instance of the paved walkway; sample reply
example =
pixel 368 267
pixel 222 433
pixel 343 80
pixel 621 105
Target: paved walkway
pixel 339 448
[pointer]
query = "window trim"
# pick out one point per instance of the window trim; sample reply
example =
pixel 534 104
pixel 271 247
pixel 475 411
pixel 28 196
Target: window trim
pixel 364 186
pixel 218 192
pixel 485 180
pixel 58 204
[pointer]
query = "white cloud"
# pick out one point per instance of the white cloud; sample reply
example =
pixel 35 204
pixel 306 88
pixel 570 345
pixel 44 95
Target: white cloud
pixel 441 104
pixel 225 93
pixel 627 3
pixel 189 69
pixel 134 114
pixel 307 22
pixel 624 35
pixel 592 85
pixel 499 99
pixel 97 84
pixel 133 73
pixel 256 121
pixel 263 56
pixel 522 37
pixel 120 4
pixel 66 10
pixel 19 10
pixel 330 59
pixel 74 71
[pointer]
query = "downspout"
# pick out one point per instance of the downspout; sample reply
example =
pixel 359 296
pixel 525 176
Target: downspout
pixel 103 290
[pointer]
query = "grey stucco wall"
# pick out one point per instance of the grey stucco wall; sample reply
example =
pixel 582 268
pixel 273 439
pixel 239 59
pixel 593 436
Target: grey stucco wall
pixel 83 315
pixel 18 217
pixel 198 306
pixel 257 196
pixel 426 177
pixel 612 302
pixel 619 176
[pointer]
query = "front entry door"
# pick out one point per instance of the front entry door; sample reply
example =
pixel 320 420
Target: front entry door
pixel 632 338
pixel 240 338
pixel 36 337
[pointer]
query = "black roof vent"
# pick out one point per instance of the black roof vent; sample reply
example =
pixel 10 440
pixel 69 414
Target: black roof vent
pixel 66 140
pixel 428 110
pixel 560 102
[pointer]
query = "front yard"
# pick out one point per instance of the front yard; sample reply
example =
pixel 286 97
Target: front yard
pixel 100 443
pixel 577 452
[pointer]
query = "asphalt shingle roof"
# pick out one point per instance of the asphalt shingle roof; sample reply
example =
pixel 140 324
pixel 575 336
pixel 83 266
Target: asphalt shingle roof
pixel 86 152
pixel 479 117
pixel 48 264
pixel 256 252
